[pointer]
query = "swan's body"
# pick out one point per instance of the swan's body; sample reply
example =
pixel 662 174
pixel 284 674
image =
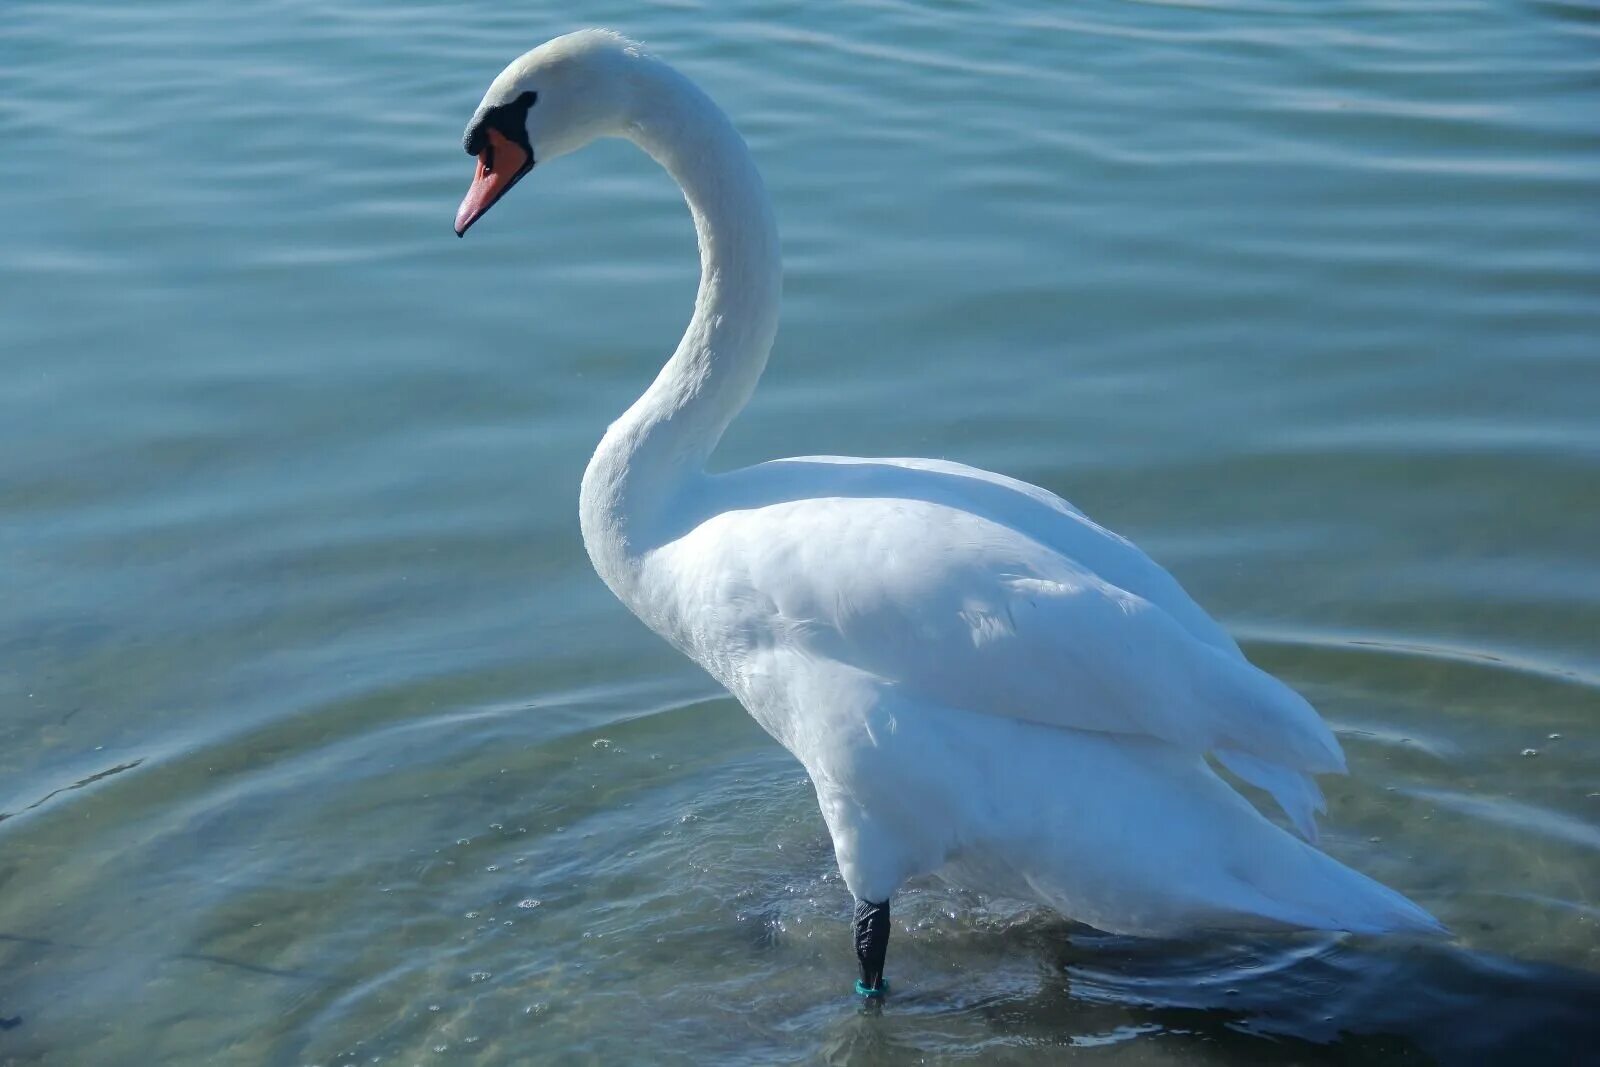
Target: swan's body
pixel 980 681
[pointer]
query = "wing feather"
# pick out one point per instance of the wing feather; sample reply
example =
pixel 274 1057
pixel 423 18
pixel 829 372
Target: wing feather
pixel 972 613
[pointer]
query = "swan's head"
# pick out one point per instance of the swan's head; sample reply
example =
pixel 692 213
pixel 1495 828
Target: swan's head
pixel 548 102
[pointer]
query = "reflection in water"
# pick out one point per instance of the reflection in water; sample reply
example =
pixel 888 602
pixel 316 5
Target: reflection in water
pixel 558 862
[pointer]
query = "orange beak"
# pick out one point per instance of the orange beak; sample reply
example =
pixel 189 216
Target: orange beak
pixel 501 164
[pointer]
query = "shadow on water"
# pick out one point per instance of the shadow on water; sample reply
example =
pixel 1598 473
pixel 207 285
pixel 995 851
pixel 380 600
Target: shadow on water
pixel 53 945
pixel 79 784
pixel 1322 999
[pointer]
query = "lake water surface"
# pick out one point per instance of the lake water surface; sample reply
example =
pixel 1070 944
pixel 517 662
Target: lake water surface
pixel 321 744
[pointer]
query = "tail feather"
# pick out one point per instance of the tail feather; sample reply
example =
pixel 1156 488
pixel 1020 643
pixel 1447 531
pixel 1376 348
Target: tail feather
pixel 1258 714
pixel 1314 890
pixel 1295 791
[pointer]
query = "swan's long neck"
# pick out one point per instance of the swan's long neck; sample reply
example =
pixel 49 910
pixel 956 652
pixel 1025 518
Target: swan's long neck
pixel 651 460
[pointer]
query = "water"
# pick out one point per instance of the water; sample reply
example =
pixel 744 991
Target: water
pixel 321 744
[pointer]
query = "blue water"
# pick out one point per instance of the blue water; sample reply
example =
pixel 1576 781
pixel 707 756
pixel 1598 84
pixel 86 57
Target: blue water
pixel 319 741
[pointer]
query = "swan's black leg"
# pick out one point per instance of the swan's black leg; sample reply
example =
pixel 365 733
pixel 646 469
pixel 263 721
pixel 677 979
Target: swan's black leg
pixel 872 945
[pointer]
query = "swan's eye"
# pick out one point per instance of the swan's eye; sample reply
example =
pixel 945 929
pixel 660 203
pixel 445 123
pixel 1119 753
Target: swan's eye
pixel 509 119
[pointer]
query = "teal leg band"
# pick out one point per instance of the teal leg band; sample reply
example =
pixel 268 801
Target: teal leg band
pixel 871 936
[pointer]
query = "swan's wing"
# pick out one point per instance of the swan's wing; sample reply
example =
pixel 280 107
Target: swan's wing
pixel 1036 513
pixel 973 614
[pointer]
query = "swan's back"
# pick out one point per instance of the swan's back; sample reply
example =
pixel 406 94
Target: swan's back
pixel 1034 512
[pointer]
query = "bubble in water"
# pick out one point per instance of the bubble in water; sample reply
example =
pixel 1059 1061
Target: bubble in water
pixel 480 976
pixel 492 867
pixel 1530 752
pixel 1555 737
pixel 472 915
pixel 602 742
pixel 528 903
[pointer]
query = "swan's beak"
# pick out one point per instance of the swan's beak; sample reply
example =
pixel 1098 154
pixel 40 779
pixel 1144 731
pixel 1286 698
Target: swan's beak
pixel 501 164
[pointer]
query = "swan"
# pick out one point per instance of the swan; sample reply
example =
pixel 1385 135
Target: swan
pixel 981 682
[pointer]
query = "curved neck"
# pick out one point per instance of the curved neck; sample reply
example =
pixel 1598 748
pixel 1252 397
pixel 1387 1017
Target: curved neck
pixel 649 458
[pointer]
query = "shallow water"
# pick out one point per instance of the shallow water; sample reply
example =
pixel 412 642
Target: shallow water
pixel 321 744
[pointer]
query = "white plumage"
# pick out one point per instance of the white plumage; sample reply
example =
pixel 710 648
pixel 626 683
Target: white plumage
pixel 980 681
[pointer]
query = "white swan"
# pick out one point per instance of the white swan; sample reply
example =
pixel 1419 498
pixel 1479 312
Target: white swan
pixel 980 680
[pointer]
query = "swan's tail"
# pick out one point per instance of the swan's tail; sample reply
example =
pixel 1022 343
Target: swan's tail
pixel 1130 835
pixel 1301 886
